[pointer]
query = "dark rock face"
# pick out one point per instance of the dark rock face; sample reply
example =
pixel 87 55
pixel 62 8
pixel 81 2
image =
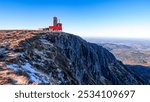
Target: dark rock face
pixel 61 58
pixel 141 70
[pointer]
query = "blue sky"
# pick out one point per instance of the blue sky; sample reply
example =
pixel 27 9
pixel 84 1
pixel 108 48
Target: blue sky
pixel 88 18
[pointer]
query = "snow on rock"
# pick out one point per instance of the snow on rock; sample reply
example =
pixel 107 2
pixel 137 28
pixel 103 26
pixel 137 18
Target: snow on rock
pixel 35 76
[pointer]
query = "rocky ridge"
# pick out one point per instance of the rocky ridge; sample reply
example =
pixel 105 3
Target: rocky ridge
pixel 35 57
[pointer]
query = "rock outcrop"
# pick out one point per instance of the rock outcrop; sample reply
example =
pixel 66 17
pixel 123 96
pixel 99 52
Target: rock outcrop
pixel 60 58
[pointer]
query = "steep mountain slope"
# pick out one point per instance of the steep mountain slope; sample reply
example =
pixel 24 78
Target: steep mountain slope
pixel 59 58
pixel 144 71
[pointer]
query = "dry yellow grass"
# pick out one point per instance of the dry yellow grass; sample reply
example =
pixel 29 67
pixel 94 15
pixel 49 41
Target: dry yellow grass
pixel 12 38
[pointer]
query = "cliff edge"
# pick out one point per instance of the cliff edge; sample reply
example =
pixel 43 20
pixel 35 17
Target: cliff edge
pixel 31 57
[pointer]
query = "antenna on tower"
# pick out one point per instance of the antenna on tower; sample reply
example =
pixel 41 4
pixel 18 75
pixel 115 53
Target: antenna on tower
pixel 58 20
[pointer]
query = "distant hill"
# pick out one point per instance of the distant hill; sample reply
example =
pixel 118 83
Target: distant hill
pixel 132 53
pixel 111 47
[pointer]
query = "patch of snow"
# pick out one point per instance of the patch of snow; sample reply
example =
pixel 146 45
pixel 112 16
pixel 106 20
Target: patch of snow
pixel 38 52
pixel 58 82
pixel 12 54
pixel 58 70
pixel 13 67
pixel 46 42
pixel 28 67
pixel 35 75
pixel 103 80
pixel 34 78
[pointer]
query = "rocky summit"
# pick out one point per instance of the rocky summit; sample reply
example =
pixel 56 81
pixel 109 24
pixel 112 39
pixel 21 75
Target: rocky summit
pixel 58 58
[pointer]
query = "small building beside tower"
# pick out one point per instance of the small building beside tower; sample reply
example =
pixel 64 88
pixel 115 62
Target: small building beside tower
pixel 57 26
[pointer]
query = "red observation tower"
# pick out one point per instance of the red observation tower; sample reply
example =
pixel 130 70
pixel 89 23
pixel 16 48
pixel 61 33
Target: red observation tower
pixel 57 26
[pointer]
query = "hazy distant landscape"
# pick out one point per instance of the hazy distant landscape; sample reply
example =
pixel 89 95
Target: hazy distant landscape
pixel 129 51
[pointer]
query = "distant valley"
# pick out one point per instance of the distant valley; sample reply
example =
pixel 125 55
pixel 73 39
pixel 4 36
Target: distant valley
pixel 131 52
